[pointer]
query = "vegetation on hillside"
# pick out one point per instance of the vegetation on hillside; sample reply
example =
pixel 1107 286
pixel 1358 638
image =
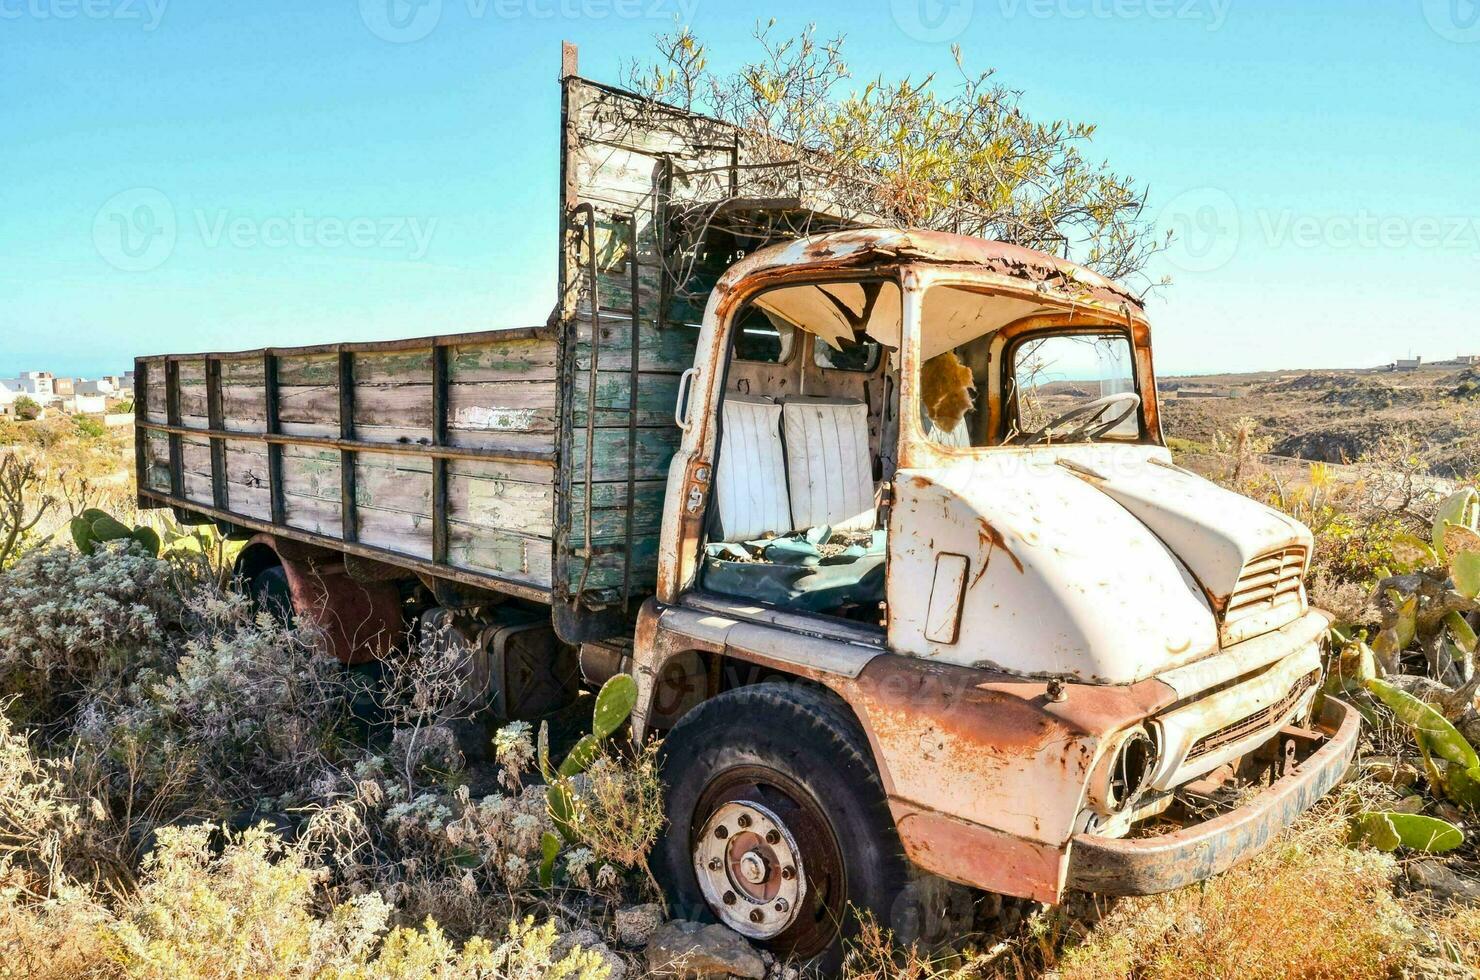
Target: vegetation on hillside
pixel 1341 417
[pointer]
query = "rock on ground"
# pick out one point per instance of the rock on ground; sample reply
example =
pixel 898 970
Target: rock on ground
pixel 690 950
pixel 1433 877
pixel 589 940
pixel 636 924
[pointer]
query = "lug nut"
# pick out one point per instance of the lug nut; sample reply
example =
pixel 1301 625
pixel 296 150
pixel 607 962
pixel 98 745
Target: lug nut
pixel 788 873
pixel 756 915
pixel 744 820
pixel 729 898
pixel 721 832
pixel 773 837
pixel 715 864
pixel 781 905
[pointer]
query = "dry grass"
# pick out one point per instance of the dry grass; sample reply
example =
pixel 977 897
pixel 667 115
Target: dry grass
pixel 1458 931
pixel 1310 907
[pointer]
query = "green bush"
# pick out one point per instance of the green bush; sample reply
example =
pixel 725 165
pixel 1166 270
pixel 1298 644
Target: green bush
pixel 26 409
pixel 90 427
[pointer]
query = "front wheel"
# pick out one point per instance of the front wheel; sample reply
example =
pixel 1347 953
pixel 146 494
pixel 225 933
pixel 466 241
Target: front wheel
pixel 778 825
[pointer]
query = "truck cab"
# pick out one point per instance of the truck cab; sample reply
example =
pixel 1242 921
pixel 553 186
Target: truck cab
pixel 934 597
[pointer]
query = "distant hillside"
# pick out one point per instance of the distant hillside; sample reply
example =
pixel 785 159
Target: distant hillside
pixel 1337 416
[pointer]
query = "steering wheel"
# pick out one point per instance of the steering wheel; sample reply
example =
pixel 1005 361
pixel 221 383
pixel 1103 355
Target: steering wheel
pixel 1093 419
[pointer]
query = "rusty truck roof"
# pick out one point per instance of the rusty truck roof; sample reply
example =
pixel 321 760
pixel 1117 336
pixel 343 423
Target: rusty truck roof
pixel 868 246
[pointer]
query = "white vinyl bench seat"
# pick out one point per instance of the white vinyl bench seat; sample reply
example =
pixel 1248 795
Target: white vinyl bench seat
pixel 828 463
pixel 750 480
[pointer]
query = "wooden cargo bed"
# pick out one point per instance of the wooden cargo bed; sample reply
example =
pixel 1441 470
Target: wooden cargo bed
pixel 436 454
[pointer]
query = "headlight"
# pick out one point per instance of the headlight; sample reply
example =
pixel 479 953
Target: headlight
pixel 1123 772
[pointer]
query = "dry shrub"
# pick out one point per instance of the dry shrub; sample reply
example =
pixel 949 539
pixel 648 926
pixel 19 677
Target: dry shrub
pixel 58 937
pixel 250 911
pixel 433 852
pixel 1350 602
pixel 619 808
pixel 872 954
pixel 243 714
pixel 1457 929
pixel 72 622
pixel 1308 907
pixel 37 818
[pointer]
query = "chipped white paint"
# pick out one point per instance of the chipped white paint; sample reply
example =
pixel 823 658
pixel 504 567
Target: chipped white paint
pixel 495 419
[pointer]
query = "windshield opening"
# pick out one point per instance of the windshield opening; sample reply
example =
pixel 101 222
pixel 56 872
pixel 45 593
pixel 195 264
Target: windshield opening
pixel 1072 387
pixel 1006 371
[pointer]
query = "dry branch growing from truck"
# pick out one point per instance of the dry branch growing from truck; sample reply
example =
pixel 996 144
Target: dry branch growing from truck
pixel 969 160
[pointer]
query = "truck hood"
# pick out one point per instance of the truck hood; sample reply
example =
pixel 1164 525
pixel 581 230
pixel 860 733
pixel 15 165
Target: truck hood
pixel 1095 563
pixel 1214 531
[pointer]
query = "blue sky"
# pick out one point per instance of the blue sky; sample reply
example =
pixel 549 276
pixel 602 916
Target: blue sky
pixel 362 169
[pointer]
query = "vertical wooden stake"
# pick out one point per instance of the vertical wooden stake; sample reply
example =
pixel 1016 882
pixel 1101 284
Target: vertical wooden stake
pixel 439 463
pixel 274 427
pixel 348 516
pixel 172 411
pixel 217 416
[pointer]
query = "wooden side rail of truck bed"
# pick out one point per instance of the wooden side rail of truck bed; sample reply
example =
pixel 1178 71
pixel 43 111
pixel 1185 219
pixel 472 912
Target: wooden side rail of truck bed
pixel 438 455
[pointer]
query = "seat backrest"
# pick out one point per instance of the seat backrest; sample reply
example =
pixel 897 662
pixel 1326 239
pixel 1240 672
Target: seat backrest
pixel 828 464
pixel 750 480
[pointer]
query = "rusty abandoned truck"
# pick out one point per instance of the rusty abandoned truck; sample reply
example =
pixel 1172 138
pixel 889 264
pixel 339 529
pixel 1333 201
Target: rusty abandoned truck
pixel 881 522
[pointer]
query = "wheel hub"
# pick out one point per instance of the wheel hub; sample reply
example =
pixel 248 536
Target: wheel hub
pixel 750 869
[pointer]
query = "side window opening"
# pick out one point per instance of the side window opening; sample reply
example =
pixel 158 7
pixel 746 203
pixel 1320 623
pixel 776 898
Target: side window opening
pixel 853 355
pixel 794 520
pixel 763 339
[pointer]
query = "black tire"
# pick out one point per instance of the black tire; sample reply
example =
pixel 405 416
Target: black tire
pixel 768 743
pixel 270 593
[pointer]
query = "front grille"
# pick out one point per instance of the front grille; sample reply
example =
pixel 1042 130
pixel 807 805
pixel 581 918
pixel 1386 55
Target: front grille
pixel 1239 730
pixel 1268 582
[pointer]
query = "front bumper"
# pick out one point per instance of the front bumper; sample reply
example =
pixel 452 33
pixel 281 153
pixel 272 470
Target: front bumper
pixel 1150 865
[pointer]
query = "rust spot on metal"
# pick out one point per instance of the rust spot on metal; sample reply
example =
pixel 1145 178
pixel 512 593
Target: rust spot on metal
pixel 359 621
pixel 979 856
pixel 991 540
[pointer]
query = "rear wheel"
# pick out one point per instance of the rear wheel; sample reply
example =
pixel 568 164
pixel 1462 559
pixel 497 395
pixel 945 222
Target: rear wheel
pixel 778 824
pixel 270 594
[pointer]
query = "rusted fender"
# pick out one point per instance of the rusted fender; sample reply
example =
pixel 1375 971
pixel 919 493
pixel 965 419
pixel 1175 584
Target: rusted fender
pixel 990 749
pixel 359 621
pixel 1151 865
